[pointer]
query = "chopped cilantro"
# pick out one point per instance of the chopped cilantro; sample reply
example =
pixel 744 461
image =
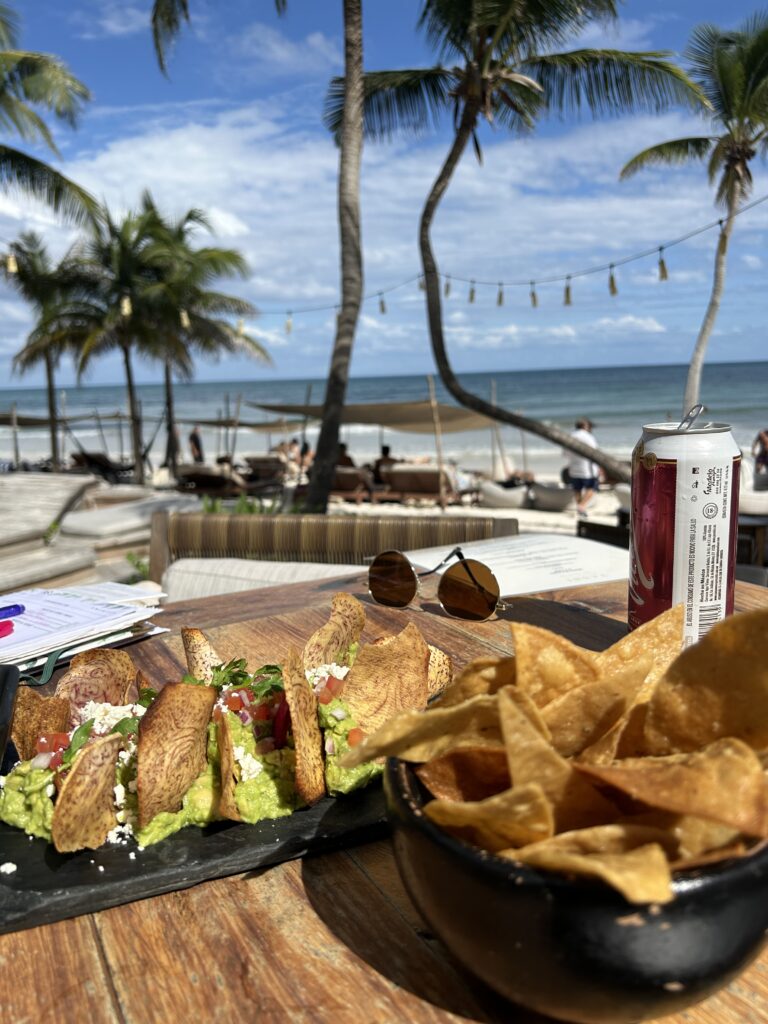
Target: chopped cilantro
pixel 264 681
pixel 146 696
pixel 79 739
pixel 127 726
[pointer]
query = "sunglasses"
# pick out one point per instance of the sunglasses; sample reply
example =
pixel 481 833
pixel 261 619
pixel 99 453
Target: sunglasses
pixel 468 590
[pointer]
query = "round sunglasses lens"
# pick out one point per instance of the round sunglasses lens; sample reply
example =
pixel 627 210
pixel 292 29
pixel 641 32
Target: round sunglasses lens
pixel 468 590
pixel 391 580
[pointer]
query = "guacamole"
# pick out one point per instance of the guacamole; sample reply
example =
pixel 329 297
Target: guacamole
pixel 266 786
pixel 335 727
pixel 26 799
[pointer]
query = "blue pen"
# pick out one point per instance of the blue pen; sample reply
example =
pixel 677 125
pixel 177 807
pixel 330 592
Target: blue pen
pixel 11 610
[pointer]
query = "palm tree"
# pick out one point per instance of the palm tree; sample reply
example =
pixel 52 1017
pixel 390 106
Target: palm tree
pixel 501 65
pixel 731 68
pixel 45 285
pixel 29 80
pixel 187 315
pixel 167 18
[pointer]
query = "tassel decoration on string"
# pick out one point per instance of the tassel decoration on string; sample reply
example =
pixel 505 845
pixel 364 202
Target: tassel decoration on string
pixel 567 292
pixel 534 296
pixel 184 319
pixel 289 322
pixel 11 264
pixel 447 288
pixel 240 328
pixel 422 285
pixel 500 296
pixel 126 306
pixel 471 291
pixel 612 281
pixel 663 274
pixel 382 304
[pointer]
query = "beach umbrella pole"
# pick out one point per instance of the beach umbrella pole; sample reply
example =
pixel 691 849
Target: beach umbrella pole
pixel 438 439
pixel 15 435
pixel 236 424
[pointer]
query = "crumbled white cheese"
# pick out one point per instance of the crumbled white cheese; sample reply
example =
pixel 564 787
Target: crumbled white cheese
pixel 2 782
pixel 101 867
pixel 339 714
pixel 50 789
pixel 120 835
pixel 250 767
pixel 106 716
pixel 7 868
pixel 119 794
pixel 132 855
pixel 132 785
pixel 316 677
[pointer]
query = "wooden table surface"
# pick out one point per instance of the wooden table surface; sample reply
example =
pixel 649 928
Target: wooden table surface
pixel 332 938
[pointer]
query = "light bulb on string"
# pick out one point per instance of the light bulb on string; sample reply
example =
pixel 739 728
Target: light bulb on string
pixel 471 291
pixel 11 264
pixel 382 304
pixel 447 288
pixel 289 322
pixel 534 296
pixel 500 295
pixel 567 292
pixel 612 281
pixel 240 328
pixel 184 319
pixel 663 274
pixel 126 306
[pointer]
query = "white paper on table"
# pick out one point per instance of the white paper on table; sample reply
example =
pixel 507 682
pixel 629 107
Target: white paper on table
pixel 538 561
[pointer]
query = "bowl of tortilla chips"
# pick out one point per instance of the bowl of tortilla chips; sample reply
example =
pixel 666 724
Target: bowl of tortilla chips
pixel 585 831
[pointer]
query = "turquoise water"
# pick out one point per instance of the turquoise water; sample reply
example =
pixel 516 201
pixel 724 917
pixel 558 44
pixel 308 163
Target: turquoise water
pixel 618 400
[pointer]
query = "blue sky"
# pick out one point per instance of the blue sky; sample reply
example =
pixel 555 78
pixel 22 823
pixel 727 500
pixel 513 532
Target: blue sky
pixel 237 131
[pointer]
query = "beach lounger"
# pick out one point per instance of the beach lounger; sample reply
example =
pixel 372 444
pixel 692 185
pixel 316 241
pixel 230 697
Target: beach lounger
pixel 493 495
pixel 406 481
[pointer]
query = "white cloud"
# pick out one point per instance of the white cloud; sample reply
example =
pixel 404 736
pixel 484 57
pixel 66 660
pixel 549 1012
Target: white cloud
pixel 266 49
pixel 749 259
pixel 112 18
pixel 627 323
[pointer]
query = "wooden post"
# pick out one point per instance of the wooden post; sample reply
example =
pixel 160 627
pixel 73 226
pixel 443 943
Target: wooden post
pixel 226 424
pixel 63 421
pixel 307 400
pixel 523 448
pixel 120 437
pixel 15 435
pixel 100 426
pixel 438 439
pixel 238 402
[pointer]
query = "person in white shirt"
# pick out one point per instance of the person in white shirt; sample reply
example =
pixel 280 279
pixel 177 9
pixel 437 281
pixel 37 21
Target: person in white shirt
pixel 582 472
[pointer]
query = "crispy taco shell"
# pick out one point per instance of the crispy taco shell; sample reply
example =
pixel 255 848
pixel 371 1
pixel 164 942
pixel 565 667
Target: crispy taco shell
pixel 307 738
pixel 85 807
pixel 227 804
pixel 331 642
pixel 35 714
pixel 200 655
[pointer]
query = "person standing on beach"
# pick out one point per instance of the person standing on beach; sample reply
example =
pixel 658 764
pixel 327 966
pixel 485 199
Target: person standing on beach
pixel 760 452
pixel 196 444
pixel 582 472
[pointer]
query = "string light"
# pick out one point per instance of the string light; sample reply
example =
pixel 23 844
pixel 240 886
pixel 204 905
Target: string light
pixel 289 322
pixel 382 304
pixel 500 295
pixel 240 328
pixel 534 296
pixel 184 319
pixel 567 293
pixel 471 291
pixel 447 289
pixel 612 281
pixel 663 275
pixel 126 306
pixel 11 264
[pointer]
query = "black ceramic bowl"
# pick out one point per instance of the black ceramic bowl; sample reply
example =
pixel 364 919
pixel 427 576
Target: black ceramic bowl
pixel 573 949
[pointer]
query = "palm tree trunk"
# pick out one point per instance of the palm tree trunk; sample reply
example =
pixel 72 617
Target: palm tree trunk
pixel 133 412
pixel 350 153
pixel 172 442
pixel 616 469
pixel 692 393
pixel 52 414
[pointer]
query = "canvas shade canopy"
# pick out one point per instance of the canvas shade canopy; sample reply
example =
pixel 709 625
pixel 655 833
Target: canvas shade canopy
pixel 409 417
pixel 22 420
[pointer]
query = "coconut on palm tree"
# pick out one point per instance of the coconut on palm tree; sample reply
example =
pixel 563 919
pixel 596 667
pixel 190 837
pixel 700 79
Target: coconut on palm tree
pixel 167 19
pixel 45 285
pixel 501 63
pixel 188 316
pixel 731 68
pixel 28 82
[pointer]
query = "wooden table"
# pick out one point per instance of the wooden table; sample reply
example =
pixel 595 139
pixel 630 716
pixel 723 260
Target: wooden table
pixel 330 939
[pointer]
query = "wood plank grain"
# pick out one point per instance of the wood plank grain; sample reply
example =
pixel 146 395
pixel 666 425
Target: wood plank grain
pixel 56 973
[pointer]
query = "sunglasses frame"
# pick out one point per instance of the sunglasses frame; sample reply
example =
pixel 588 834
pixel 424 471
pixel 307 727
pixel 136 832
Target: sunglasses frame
pixel 418 576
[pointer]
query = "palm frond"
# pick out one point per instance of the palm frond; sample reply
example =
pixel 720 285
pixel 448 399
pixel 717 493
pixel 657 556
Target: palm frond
pixel 167 18
pixel 613 81
pixel 393 101
pixel 9 27
pixel 39 180
pixel 676 151
pixel 46 81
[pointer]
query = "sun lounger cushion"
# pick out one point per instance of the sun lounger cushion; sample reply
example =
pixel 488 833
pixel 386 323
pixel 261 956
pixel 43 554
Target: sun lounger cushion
pixel 203 577
pixel 494 496
pixel 550 498
pixel 123 519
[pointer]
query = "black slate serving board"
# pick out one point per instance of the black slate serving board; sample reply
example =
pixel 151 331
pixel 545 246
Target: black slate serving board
pixel 48 886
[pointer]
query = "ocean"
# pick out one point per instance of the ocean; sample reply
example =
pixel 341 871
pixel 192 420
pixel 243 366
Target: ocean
pixel 619 400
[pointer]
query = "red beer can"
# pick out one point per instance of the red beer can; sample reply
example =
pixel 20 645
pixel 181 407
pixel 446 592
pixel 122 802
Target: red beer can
pixel 683 523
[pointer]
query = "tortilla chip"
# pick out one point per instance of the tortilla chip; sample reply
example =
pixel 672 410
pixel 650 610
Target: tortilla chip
pixel 388 677
pixel 715 689
pixel 101 675
pixel 307 737
pixel 423 735
pixel 661 638
pixel 516 817
pixel 33 715
pixel 200 655
pixel 548 665
pixel 227 805
pixel 617 855
pixel 467 773
pixel 85 811
pixel 580 717
pixel 531 759
pixel 693 837
pixel 172 747
pixel 439 672
pixel 483 675
pixel 332 641
pixel 723 783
